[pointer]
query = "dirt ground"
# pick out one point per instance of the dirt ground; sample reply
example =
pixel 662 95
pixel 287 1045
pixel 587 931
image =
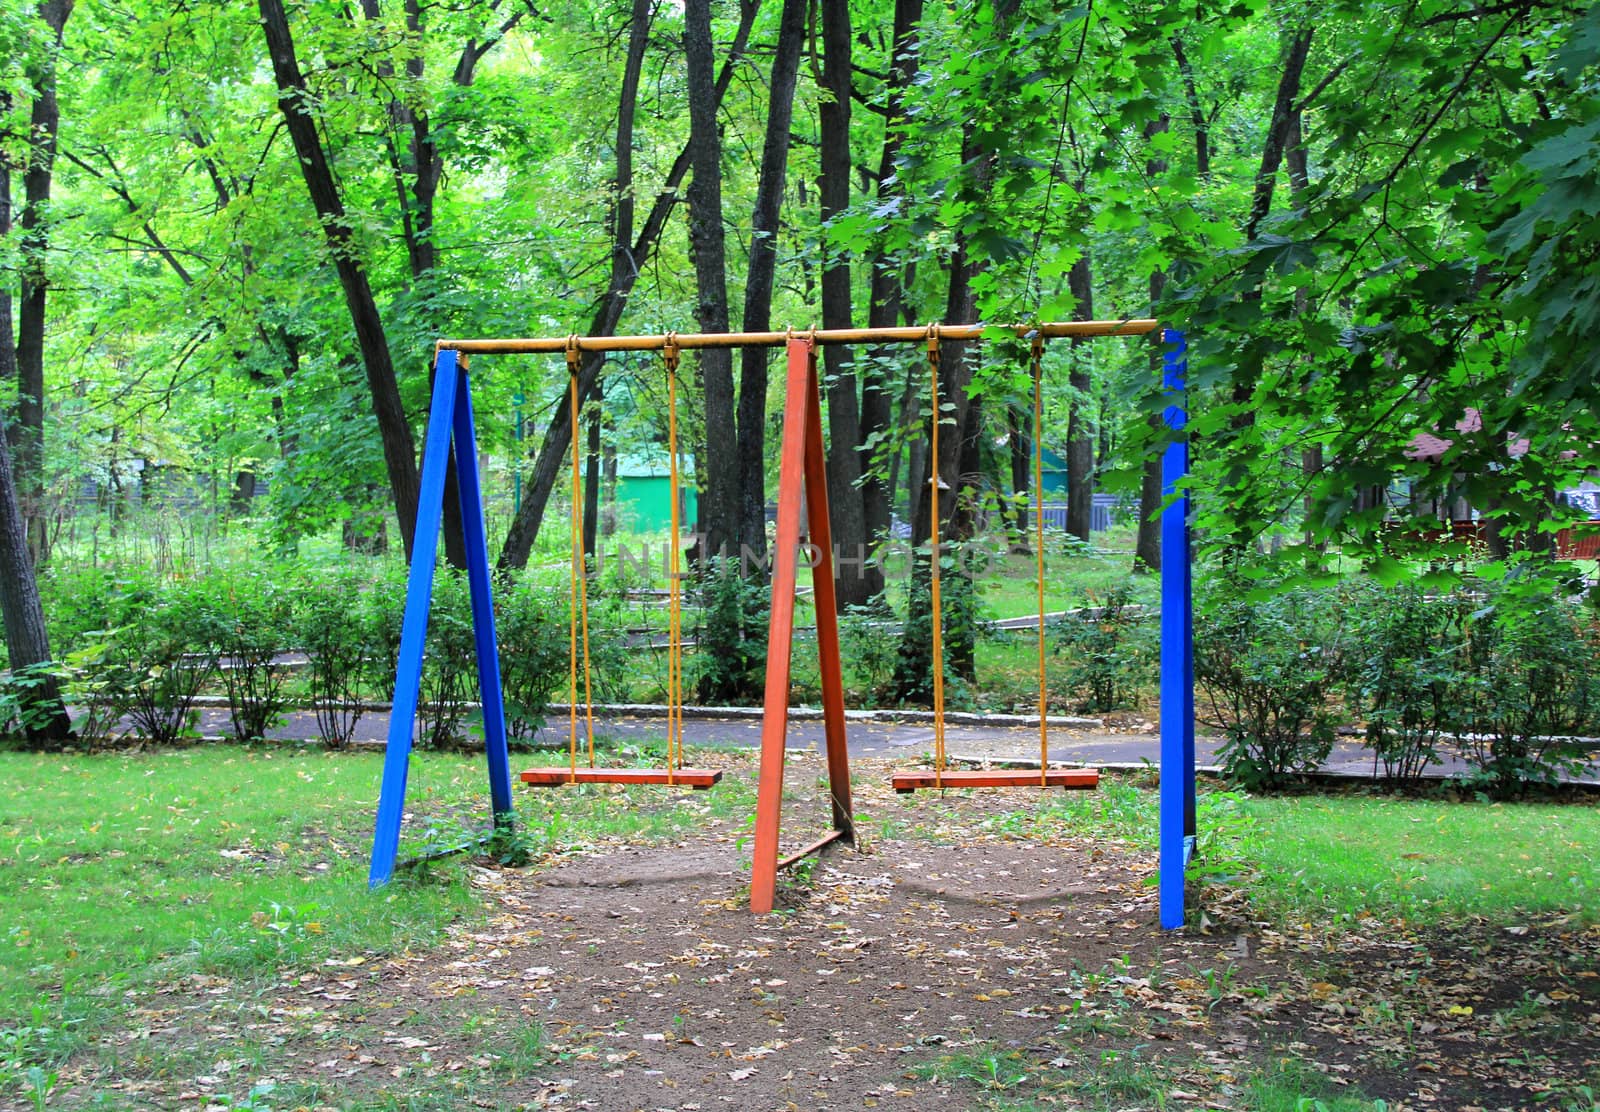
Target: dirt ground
pixel 951 965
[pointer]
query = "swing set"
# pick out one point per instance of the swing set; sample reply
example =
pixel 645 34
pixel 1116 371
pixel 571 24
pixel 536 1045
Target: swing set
pixel 673 773
pixel 940 776
pixel 802 474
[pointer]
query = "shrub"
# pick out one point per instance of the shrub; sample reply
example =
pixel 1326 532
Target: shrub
pixel 253 616
pixel 382 612
pixel 1405 671
pixel 616 664
pixel 334 634
pixel 1533 683
pixel 449 664
pixel 531 628
pixel 163 659
pixel 29 698
pixel 1266 670
pixel 958 601
pixel 100 688
pixel 731 641
pixel 1110 651
pixel 867 643
pixel 82 602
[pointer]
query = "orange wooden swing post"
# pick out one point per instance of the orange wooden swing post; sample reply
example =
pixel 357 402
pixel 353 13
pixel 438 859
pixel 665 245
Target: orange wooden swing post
pixel 802 465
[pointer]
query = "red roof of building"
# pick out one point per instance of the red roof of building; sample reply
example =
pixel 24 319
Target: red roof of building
pixel 1430 448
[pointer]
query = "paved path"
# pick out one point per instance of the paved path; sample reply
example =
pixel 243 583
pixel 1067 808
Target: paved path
pixel 893 740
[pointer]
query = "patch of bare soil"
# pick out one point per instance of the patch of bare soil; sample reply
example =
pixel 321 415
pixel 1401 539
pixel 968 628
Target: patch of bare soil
pixel 667 993
pixel 916 975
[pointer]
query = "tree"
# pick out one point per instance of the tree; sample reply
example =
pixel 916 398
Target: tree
pixel 1080 432
pixel 44 124
pixel 418 169
pixel 1408 283
pixel 1367 231
pixel 760 274
pixel 887 300
pixel 1147 542
pixel 844 409
pixel 294 101
pixel 629 253
pixel 27 641
pixel 719 509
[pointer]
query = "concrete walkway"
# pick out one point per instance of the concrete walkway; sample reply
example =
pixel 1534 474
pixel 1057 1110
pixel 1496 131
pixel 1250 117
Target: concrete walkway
pixel 909 741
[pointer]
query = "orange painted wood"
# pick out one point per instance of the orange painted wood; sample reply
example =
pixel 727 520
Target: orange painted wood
pixel 817 846
pixel 904 782
pixel 780 630
pixel 697 778
pixel 822 579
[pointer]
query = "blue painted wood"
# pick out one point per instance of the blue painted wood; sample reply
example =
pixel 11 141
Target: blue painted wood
pixel 483 633
pixel 414 626
pixel 1177 651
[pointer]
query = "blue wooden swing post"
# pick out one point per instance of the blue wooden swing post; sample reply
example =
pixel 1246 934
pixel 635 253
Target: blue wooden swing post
pixel 1177 834
pixel 449 417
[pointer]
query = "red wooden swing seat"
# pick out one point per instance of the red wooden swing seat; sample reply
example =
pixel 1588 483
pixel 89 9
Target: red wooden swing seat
pixel 697 778
pixel 924 778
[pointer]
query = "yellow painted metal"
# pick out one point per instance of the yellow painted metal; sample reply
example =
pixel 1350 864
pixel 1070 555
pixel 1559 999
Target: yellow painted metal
pixel 687 340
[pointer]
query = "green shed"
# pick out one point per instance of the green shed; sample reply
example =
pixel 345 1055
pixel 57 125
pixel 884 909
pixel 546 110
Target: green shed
pixel 1054 472
pixel 644 492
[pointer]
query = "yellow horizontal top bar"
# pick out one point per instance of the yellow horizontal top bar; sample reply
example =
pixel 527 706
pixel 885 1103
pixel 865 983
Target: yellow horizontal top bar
pixel 686 340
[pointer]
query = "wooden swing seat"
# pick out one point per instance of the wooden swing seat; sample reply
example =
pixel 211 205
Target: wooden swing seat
pixel 697 778
pixel 924 778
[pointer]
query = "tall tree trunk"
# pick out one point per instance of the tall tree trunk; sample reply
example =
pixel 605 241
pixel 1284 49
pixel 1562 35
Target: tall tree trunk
pixel 759 277
pixel 27 642
pixel 1019 441
pixel 1278 128
pixel 912 668
pixel 719 469
pixel 8 335
pixel 44 123
pixel 591 474
pixel 960 420
pixel 399 452
pixel 608 479
pixel 886 300
pixel 1147 543
pixel 412 159
pixel 1080 431
pixel 855 587
pixel 1274 145
pixel 1197 116
pixel 1300 179
pixel 417 169
pixel 629 255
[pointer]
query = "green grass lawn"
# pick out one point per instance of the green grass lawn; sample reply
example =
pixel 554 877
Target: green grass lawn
pixel 1425 861
pixel 122 873
pixel 1311 858
pixel 1081 577
pixel 211 860
pixel 225 859
pixel 124 870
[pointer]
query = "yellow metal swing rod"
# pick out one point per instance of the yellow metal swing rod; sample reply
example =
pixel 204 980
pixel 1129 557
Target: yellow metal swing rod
pixel 685 340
